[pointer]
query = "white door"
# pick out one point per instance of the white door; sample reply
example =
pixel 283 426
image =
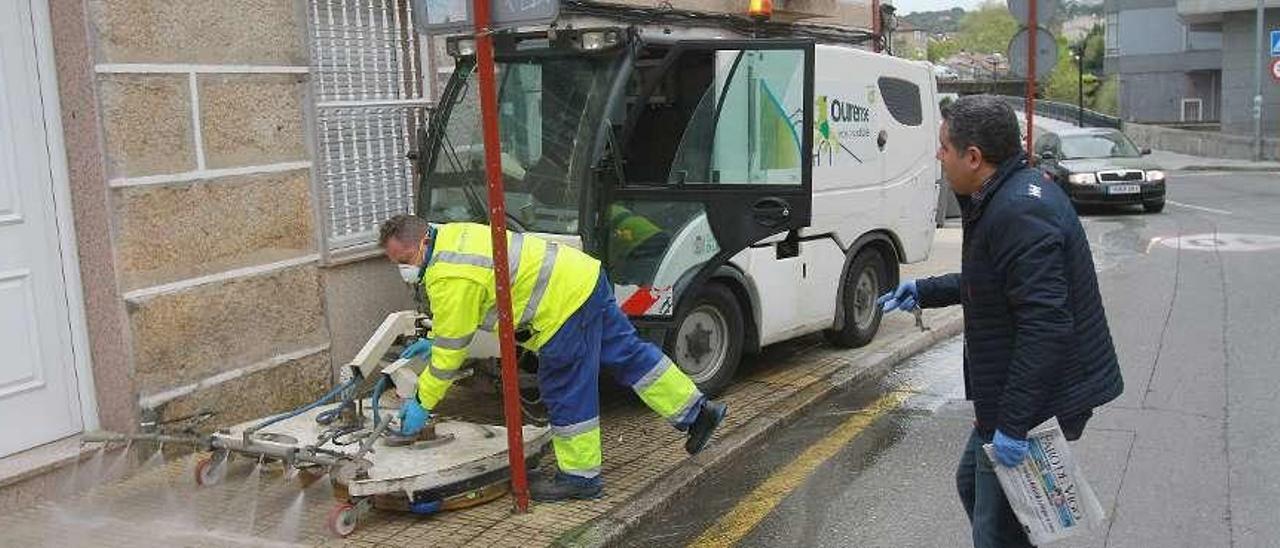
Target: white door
pixel 39 399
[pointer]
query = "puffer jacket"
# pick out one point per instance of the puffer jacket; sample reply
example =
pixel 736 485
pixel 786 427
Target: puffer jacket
pixel 1037 343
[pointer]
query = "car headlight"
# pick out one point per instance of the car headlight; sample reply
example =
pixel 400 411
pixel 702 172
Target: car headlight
pixel 1083 178
pixel 1155 175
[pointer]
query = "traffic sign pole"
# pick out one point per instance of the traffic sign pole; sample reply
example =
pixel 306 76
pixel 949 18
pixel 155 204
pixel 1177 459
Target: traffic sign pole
pixel 1033 31
pixel 502 275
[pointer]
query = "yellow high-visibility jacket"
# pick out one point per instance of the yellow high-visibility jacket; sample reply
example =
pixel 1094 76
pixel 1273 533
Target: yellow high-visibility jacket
pixel 549 282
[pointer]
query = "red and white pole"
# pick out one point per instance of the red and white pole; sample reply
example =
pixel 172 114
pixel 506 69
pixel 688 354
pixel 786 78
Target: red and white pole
pixel 502 276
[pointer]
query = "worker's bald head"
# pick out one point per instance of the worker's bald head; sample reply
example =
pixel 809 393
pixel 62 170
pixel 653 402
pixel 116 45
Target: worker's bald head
pixel 401 237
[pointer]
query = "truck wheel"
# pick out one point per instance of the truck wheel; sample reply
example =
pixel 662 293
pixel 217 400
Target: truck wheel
pixel 868 277
pixel 1154 206
pixel 707 340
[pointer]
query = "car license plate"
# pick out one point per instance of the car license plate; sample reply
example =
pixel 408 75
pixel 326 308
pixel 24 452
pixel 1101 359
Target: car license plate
pixel 1123 189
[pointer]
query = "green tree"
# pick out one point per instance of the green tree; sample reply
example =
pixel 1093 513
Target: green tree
pixel 1107 99
pixel 986 30
pixel 1064 82
pixel 1095 46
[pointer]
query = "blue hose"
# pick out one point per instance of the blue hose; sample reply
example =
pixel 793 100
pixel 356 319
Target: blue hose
pixel 377 395
pixel 323 399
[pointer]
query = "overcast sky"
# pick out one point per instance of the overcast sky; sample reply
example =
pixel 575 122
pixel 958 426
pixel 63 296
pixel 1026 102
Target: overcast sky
pixel 908 6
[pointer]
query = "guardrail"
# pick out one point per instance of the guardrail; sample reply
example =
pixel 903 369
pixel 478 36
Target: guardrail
pixel 1066 112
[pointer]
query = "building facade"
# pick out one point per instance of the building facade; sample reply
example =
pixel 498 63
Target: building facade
pixel 1170 69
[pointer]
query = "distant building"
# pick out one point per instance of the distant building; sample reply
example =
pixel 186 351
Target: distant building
pixel 1077 28
pixel 978 66
pixel 910 41
pixel 1175 58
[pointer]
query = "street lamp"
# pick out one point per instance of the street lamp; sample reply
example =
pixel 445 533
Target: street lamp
pixel 1078 53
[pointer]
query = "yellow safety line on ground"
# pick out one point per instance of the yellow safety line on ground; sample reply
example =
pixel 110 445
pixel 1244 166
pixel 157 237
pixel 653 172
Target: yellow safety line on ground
pixel 755 506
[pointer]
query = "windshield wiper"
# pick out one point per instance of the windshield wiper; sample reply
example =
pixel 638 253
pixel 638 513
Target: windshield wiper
pixel 455 163
pixel 469 183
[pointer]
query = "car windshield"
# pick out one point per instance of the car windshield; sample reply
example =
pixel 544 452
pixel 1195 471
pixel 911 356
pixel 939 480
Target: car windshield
pixel 548 107
pixel 1098 145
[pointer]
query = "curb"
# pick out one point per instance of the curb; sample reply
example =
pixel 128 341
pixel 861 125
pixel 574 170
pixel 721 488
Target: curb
pixel 1242 169
pixel 610 528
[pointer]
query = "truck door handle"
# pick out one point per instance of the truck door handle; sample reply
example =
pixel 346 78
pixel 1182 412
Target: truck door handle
pixel 771 211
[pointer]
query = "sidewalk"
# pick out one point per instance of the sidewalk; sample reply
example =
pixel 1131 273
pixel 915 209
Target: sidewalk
pixel 645 465
pixel 1173 161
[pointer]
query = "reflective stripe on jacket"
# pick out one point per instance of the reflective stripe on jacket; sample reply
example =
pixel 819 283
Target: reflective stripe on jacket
pixel 549 282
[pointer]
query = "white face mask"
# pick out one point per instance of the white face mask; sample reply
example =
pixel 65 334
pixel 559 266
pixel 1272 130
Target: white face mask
pixel 409 274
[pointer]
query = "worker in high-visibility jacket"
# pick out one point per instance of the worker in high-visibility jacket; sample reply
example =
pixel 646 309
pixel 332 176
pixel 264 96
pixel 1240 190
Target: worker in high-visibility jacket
pixel 563 309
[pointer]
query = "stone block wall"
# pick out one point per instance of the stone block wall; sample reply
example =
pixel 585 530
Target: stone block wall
pixel 203 111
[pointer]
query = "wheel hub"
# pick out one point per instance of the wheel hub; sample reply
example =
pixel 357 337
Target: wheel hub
pixel 701 342
pixel 698 342
pixel 864 299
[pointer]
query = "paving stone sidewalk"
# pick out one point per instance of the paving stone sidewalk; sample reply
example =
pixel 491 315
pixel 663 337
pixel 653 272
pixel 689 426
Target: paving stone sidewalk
pixel 159 504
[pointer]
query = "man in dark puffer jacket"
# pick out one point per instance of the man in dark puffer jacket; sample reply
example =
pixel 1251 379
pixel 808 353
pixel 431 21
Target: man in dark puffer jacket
pixel 1036 339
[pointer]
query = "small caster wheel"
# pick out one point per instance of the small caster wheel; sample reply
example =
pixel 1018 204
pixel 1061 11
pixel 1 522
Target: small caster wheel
pixel 342 519
pixel 210 471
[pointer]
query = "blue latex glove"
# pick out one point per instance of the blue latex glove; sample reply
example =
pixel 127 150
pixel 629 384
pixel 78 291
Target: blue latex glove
pixel 904 298
pixel 1009 451
pixel 420 348
pixel 413 417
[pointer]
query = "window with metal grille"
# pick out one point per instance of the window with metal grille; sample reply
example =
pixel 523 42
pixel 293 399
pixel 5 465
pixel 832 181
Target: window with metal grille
pixel 369 100
pixel 1192 110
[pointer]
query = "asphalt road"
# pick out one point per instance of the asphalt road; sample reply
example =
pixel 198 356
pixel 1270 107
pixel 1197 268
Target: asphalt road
pixel 1183 458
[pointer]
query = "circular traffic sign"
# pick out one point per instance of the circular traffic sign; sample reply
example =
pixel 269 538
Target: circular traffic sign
pixel 1275 69
pixel 1046 52
pixel 1021 10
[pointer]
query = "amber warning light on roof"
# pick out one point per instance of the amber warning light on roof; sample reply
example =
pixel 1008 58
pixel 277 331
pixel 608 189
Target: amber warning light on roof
pixel 760 9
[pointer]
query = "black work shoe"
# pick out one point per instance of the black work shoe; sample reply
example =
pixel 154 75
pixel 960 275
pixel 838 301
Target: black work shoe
pixel 565 487
pixel 709 417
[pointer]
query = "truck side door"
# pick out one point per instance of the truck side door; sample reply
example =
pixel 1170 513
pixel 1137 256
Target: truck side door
pixel 716 152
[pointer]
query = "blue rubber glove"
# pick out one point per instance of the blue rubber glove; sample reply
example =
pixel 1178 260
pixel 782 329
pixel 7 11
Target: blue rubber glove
pixel 904 298
pixel 419 348
pixel 1009 451
pixel 413 417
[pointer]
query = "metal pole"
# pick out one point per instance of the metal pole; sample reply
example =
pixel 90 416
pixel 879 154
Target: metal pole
pixel 502 276
pixel 1257 86
pixel 1080 77
pixel 1032 29
pixel 876 24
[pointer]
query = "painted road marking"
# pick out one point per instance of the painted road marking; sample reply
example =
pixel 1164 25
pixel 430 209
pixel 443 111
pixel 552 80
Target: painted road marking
pixel 757 505
pixel 1198 208
pixel 1219 242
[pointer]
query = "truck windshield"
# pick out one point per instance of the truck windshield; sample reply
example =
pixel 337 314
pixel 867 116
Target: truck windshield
pixel 550 109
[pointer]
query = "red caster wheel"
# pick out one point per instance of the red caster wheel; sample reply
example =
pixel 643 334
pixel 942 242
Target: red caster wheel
pixel 342 519
pixel 210 471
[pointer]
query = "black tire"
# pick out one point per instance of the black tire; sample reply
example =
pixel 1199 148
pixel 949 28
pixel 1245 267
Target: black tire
pixel 1153 207
pixel 707 339
pixel 867 278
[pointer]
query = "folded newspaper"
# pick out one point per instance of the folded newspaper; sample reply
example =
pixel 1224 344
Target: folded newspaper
pixel 1047 491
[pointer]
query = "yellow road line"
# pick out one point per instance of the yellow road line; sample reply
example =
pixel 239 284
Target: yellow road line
pixel 754 507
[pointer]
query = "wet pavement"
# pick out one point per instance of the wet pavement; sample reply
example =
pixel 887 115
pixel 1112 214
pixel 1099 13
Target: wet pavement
pixel 1181 459
pixel 158 504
